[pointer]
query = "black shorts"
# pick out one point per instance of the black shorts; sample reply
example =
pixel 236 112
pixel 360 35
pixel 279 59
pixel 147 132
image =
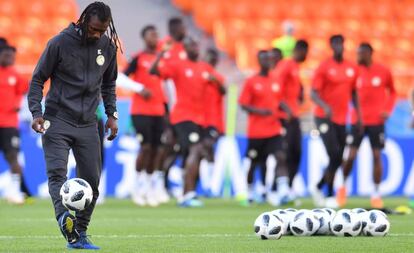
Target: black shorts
pixel 187 133
pixel 211 132
pixel 376 135
pixel 9 140
pixel 149 129
pixel 261 148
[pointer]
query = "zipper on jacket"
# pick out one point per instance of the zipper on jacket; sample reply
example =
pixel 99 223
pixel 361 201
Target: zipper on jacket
pixel 87 81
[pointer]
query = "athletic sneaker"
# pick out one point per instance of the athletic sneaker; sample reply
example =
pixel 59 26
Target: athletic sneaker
pixel 411 203
pixel 162 195
pixel 318 197
pixel 139 200
pixel 193 202
pixel 151 199
pixel 16 198
pixel 341 197
pixel 331 202
pixel 67 224
pixel 377 203
pixel 82 243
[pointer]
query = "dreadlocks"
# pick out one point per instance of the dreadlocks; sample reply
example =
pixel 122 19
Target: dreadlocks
pixel 104 14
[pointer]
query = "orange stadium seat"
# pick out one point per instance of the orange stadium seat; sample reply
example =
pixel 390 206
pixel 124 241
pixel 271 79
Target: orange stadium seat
pixel 237 9
pixel 226 31
pixel 205 13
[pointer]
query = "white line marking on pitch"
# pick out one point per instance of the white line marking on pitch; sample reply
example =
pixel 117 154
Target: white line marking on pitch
pixel 143 236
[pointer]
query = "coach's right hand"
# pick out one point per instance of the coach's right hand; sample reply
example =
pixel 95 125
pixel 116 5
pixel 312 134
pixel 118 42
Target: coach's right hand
pixel 37 125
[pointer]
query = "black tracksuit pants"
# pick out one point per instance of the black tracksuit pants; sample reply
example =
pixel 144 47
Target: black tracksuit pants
pixel 84 142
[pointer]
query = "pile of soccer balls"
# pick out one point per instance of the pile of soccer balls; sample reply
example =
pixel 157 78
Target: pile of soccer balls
pixel 322 221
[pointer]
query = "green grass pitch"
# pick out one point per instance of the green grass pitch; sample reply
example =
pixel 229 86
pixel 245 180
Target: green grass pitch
pixel 221 226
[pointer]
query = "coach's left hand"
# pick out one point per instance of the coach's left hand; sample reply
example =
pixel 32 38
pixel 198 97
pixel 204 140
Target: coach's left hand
pixel 112 124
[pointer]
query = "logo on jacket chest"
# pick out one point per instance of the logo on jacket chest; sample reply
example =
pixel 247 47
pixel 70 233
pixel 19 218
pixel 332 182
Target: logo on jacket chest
pixel 100 59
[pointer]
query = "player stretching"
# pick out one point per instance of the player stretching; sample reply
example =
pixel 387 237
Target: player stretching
pixel 187 116
pixel 148 112
pixel 260 99
pixel 12 87
pixel 376 94
pixel 81 63
pixel 288 76
pixel 332 88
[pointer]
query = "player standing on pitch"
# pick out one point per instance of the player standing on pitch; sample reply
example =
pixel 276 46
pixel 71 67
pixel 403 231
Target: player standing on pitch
pixel 376 97
pixel 287 74
pixel 260 98
pixel 187 116
pixel 13 87
pixel 333 87
pixel 81 63
pixel 147 112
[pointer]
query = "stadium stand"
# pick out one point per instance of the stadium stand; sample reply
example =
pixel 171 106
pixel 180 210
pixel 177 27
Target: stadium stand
pixel 243 26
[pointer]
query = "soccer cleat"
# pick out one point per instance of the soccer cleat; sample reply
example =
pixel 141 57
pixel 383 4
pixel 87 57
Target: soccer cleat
pixel 162 195
pixel 151 199
pixel 16 198
pixel 82 243
pixel 139 200
pixel 67 224
pixel 377 203
pixel 191 203
pixel 341 197
pixel 411 203
pixel 331 202
pixel 318 197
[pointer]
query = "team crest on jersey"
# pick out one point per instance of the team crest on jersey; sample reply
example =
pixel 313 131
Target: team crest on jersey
pixel 350 72
pixel 275 87
pixel 205 75
pixel 376 81
pixel 182 55
pixel 100 60
pixel 188 73
pixel 12 80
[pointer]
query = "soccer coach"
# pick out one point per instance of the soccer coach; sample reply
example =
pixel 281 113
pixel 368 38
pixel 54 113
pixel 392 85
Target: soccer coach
pixel 81 63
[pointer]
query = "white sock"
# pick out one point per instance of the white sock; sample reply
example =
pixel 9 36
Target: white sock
pixel 189 195
pixel 142 181
pixel 15 180
pixel 250 191
pixel 159 180
pixel 376 192
pixel 282 185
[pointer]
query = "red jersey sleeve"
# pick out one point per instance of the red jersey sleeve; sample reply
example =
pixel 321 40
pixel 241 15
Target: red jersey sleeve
pixel 392 95
pixel 318 80
pixel 245 96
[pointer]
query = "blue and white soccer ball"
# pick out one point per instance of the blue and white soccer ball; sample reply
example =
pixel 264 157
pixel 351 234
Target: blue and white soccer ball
pixel 76 194
pixel 268 226
pixel 286 215
pixel 304 223
pixel 324 218
pixel 346 223
pixel 376 223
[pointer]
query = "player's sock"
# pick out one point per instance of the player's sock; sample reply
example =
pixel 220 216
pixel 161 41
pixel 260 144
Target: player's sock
pixel 376 193
pixel 283 189
pixel 250 192
pixel 13 194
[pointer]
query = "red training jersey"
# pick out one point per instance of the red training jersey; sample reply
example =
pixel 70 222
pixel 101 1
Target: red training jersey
pixel 264 93
pixel 287 75
pixel 154 106
pixel 376 93
pixel 12 89
pixel 190 80
pixel 213 106
pixel 334 81
pixel 176 51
